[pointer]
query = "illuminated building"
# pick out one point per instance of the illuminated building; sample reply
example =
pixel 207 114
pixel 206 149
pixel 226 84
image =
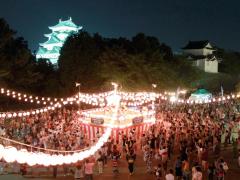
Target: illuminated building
pixel 60 32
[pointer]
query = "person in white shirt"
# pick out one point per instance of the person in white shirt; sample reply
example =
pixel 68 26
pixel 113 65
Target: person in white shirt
pixel 169 175
pixel 79 172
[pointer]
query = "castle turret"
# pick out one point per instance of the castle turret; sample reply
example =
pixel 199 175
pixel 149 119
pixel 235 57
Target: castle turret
pixel 60 32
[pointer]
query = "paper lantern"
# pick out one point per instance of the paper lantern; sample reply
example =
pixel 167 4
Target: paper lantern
pixel 22 156
pixel 46 160
pixel 1 151
pixel 67 159
pixel 32 159
pixel 83 155
pixel 10 154
pixel 75 158
pixel 59 159
pixel 40 158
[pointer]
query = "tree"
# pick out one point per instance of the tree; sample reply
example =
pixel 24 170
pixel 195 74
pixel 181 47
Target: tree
pixel 230 62
pixel 16 61
pixel 78 63
pixel 95 61
pixel 125 69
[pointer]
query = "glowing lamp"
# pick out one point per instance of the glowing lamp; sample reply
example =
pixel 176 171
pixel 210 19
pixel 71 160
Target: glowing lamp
pixel 74 158
pixel 67 159
pixel 9 154
pixel 22 156
pixel 173 98
pixel 40 158
pixel 83 155
pixel 1 151
pixel 30 159
pixel 53 160
pixel 45 160
pixel 59 159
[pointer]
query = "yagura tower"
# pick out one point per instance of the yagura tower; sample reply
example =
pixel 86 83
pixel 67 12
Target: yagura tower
pixel 60 32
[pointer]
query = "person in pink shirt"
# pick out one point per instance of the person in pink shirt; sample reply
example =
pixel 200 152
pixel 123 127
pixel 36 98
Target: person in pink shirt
pixel 89 169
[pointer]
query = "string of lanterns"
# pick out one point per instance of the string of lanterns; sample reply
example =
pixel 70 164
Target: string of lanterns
pixel 29 112
pixel 29 98
pixel 94 99
pixel 128 99
pixel 88 99
pixel 11 154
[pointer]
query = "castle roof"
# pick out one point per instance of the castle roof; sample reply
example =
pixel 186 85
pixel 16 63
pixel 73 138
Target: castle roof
pixel 56 34
pixel 67 23
pixel 41 50
pixel 51 48
pixel 196 45
pixel 55 50
pixel 52 40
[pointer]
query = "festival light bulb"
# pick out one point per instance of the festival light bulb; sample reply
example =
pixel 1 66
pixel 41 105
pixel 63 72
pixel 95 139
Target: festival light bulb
pixel 59 159
pixel 53 160
pixel 173 98
pixel 82 155
pixel 1 151
pixel 67 159
pixel 22 156
pixel 32 159
pixel 9 154
pixel 46 160
pixel 41 158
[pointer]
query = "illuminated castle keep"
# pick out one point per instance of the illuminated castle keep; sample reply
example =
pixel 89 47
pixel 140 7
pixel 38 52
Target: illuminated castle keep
pixel 60 32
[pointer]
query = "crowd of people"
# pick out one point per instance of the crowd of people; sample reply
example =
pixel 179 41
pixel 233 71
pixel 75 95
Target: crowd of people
pixel 177 146
pixel 57 129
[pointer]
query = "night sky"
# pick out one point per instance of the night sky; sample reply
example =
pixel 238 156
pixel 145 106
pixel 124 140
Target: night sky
pixel 173 21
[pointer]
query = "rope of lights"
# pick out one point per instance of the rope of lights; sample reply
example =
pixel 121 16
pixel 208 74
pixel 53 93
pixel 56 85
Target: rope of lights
pixel 11 154
pixel 94 99
pixel 29 112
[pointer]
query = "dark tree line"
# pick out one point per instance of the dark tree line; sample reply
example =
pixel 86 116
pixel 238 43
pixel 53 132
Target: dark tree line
pixel 135 64
pixel 95 61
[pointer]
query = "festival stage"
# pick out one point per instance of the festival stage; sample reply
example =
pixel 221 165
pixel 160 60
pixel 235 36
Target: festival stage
pixel 93 122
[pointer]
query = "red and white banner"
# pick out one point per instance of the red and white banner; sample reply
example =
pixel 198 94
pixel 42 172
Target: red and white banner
pixel 91 131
